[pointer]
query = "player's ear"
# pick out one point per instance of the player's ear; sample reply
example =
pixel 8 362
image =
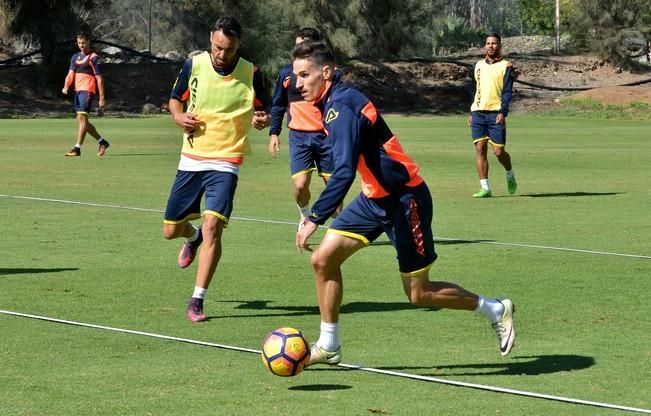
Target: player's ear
pixel 327 71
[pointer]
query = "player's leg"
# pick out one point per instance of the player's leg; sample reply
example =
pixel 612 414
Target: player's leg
pixel 413 239
pixel 355 228
pixel 220 192
pixel 184 205
pixel 497 133
pixel 301 165
pixel 479 132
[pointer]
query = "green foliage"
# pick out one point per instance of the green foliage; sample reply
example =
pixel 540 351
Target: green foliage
pixel 454 34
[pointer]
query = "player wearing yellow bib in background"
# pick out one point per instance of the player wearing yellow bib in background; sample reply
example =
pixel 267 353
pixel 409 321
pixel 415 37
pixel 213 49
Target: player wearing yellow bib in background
pixel 216 98
pixel 493 81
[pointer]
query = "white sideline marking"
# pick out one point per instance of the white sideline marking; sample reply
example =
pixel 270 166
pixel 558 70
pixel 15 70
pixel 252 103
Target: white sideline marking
pixel 574 250
pixel 348 366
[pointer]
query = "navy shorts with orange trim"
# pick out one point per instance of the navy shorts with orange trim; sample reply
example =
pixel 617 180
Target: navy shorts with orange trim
pixel 483 125
pixel 84 101
pixel 309 151
pixel 184 202
pixel 406 218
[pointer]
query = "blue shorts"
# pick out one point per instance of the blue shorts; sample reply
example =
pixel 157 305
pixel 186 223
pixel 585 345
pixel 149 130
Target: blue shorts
pixel 184 203
pixel 84 101
pixel 406 218
pixel 483 127
pixel 310 151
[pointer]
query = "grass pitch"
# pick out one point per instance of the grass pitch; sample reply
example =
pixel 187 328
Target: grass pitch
pixel 86 246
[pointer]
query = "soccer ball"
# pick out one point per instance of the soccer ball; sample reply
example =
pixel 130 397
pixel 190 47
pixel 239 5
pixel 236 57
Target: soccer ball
pixel 285 352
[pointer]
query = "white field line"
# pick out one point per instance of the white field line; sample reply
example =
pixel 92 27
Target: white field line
pixel 347 366
pixel 574 250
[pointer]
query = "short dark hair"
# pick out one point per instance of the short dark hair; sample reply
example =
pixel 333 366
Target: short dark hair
pixel 229 26
pixel 308 33
pixel 317 52
pixel 83 34
pixel 495 35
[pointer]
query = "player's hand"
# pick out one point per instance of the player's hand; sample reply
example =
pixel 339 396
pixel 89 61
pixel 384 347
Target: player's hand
pixel 188 121
pixel 499 119
pixel 64 91
pixel 469 121
pixel 100 109
pixel 274 145
pixel 260 120
pixel 306 230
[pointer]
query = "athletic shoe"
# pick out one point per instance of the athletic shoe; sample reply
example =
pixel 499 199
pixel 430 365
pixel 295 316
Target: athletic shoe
pixel 188 251
pixel 504 328
pixel 483 193
pixel 103 145
pixel 320 356
pixel 511 184
pixel 75 151
pixel 195 310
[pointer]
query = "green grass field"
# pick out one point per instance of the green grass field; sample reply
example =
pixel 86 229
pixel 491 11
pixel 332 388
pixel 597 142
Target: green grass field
pixel 82 242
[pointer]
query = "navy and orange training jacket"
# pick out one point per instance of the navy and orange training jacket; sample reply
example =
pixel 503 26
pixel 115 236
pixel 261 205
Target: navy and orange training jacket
pixel 301 115
pixel 361 141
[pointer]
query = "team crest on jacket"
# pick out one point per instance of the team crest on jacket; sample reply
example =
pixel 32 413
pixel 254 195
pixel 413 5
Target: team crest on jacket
pixel 331 116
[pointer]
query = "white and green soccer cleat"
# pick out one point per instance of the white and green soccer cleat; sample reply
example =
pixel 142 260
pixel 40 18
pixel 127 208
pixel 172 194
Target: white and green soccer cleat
pixel 511 185
pixel 320 356
pixel 504 328
pixel 483 193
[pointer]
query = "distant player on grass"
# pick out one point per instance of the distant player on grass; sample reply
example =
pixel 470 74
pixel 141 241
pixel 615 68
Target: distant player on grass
pixel 216 98
pixel 394 200
pixel 86 74
pixel 493 84
pixel 309 146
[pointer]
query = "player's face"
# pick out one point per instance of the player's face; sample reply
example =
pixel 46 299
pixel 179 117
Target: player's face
pixel 311 78
pixel 83 44
pixel 493 47
pixel 223 49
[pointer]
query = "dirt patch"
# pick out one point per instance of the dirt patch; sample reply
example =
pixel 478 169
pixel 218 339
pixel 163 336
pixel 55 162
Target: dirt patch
pixel 616 95
pixel 399 87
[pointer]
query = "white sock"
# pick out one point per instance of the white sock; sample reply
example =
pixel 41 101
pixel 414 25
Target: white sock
pixel 510 174
pixel 329 338
pixel 195 236
pixel 490 308
pixel 78 146
pixel 484 184
pixel 305 211
pixel 199 292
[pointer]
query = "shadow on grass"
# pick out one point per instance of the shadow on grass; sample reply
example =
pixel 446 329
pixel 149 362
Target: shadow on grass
pixel 533 366
pixel 20 270
pixel 570 194
pixel 320 387
pixel 134 154
pixel 286 310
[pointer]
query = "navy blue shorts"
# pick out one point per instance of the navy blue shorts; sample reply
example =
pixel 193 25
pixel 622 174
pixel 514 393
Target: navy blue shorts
pixel 406 218
pixel 84 101
pixel 310 151
pixel 184 203
pixel 483 127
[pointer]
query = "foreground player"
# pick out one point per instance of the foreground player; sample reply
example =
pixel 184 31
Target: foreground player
pixel 309 146
pixel 86 74
pixel 394 200
pixel 493 82
pixel 214 101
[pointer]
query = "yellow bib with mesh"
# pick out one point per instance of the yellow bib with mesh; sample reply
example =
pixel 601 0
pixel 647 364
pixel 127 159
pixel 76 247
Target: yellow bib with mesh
pixel 224 107
pixel 490 82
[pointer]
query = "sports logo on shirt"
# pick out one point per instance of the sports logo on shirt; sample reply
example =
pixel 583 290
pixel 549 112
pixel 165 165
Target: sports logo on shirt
pixel 331 116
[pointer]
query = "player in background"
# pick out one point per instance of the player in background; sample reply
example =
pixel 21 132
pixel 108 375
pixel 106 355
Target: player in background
pixel 309 146
pixel 216 98
pixel 394 200
pixel 86 74
pixel 493 84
